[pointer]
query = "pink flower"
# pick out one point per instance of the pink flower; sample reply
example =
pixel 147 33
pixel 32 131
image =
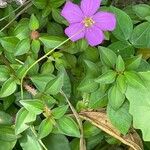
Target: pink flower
pixel 87 20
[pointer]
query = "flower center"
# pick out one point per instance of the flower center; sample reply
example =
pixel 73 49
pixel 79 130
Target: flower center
pixel 88 22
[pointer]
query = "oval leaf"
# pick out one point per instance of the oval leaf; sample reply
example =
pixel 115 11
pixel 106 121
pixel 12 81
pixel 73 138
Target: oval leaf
pixel 45 128
pixel 68 126
pixel 121 119
pixel 124 27
pixel 120 65
pixel 51 41
pixel 108 57
pixel 115 97
pixel 33 105
pixel 23 117
pixel 55 85
pixel 34 23
pixel 140 37
pixel 107 78
pixel 59 111
pixel 22 47
pixel 8 88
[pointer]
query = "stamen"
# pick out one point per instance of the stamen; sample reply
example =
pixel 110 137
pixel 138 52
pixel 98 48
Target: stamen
pixel 88 22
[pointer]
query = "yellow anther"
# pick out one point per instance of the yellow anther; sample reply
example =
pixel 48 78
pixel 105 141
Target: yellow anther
pixel 88 22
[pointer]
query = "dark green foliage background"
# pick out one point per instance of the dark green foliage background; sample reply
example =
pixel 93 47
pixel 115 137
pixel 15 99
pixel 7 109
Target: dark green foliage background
pixel 114 76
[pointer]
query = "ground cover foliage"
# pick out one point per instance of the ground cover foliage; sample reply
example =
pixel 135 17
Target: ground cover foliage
pixel 57 94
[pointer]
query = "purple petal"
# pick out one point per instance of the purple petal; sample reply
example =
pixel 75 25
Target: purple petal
pixel 75 31
pixel 89 7
pixel 72 13
pixel 94 36
pixel 105 21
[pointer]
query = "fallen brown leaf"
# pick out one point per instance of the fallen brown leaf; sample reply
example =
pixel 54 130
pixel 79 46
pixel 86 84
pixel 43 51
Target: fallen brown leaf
pixel 100 120
pixel 145 53
pixel 136 138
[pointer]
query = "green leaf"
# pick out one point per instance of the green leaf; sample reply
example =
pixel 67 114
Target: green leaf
pixel 68 126
pixel 40 4
pixel 8 101
pixel 21 70
pixel 22 30
pixel 123 48
pixel 133 63
pixel 5 119
pixel 55 85
pixel 93 141
pixel 40 81
pixel 51 41
pixel 35 46
pixel 47 10
pixel 8 138
pixel 124 26
pixel 45 128
pixel 120 65
pixel 91 54
pixel 81 105
pixel 35 106
pixel 66 84
pixel 7 133
pixel 57 3
pixel 121 119
pixel 141 10
pixel 88 85
pixel 55 29
pixel 144 66
pixel 111 140
pixel 139 105
pixel 90 130
pixel 121 82
pixel 116 97
pixel 59 112
pixel 9 10
pixel 34 23
pixel 47 67
pixel 147 18
pixel 9 43
pixel 8 88
pixel 57 17
pixel 56 142
pixel 7 145
pixel 92 68
pixel 134 79
pixel 4 73
pixel 140 36
pixel 75 144
pixel 30 60
pixel 23 117
pixel 48 100
pixel 107 77
pixel 108 57
pixel 29 141
pixel 22 47
pixel 98 99
pixel 82 44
